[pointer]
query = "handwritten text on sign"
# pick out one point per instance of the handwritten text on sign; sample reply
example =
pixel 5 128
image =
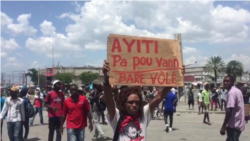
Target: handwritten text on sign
pixel 144 61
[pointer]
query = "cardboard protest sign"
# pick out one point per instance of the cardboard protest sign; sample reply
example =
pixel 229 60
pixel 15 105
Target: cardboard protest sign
pixel 144 61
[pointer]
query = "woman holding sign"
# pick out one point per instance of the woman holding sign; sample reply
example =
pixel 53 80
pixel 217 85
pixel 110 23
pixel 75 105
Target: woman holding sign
pixel 130 119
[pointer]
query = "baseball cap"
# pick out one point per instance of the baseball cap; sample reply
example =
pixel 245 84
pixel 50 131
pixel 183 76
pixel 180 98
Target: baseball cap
pixel 206 83
pixel 14 89
pixel 80 88
pixel 56 81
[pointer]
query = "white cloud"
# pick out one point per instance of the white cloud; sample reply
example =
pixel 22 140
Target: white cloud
pixel 36 64
pixel 97 19
pixel 192 55
pixel 247 1
pixel 10 44
pixel 19 54
pixel 189 50
pixel 5 20
pixel 23 26
pixel 3 54
pixel 79 55
pixel 97 63
pixel 12 59
pixel 43 45
pixel 244 59
pixel 13 63
pixel 78 6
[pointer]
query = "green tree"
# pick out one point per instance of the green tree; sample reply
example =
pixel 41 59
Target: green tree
pixel 88 77
pixel 66 78
pixel 234 67
pixel 33 74
pixel 215 65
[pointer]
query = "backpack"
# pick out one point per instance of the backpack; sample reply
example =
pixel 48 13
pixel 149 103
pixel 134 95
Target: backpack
pixel 30 111
pixel 102 106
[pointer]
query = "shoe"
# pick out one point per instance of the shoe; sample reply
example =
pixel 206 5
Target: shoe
pixel 170 129
pixel 167 128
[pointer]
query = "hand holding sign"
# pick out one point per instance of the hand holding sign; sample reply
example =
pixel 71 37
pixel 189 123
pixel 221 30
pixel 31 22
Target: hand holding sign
pixel 105 68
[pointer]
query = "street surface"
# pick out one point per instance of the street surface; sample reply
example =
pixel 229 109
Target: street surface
pixel 189 127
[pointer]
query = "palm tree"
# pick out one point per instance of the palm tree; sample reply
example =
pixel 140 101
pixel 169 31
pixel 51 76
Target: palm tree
pixel 216 65
pixel 234 67
pixel 33 74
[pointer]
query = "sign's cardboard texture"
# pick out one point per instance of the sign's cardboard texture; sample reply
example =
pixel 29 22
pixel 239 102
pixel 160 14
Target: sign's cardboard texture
pixel 144 61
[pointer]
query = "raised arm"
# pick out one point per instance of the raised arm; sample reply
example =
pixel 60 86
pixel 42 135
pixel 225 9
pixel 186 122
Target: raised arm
pixel 108 92
pixel 159 97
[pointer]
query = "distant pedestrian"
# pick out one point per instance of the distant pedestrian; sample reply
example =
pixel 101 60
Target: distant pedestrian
pixel 206 102
pixel 169 109
pixel 54 102
pixel 191 98
pixel 38 103
pixel 199 101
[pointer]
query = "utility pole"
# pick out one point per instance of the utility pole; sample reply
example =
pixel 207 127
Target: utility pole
pixel 52 63
pixel 179 38
pixel 38 83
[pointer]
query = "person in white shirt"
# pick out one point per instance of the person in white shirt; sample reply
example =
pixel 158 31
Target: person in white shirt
pixel 223 97
pixel 199 101
pixel 130 119
pixel 16 115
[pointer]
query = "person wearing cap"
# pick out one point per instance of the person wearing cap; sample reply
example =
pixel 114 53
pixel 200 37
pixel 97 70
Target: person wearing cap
pixel 38 103
pixel 206 102
pixel 16 115
pixel 54 102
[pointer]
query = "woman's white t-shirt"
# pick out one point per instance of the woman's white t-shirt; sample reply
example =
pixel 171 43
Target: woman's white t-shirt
pixel 199 97
pixel 130 131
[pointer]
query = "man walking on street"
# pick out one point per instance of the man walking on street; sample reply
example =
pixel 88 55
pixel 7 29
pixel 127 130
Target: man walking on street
pixel 76 108
pixel 97 109
pixel 234 122
pixel 206 102
pixel 54 102
pixel 16 115
pixel 38 102
pixel 169 109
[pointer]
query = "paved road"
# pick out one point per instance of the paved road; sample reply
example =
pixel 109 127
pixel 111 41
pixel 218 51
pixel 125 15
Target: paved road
pixel 189 128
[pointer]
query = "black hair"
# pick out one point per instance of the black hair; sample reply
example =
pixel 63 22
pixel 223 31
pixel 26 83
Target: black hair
pixel 122 99
pixel 231 77
pixel 73 85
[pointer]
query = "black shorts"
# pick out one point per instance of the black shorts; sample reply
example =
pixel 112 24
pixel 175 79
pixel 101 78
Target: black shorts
pixel 190 101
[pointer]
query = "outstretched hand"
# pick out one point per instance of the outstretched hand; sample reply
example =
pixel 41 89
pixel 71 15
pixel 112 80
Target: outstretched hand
pixel 105 68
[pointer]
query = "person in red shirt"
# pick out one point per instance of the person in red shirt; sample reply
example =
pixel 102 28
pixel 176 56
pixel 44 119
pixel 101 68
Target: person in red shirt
pixel 38 103
pixel 54 102
pixel 76 108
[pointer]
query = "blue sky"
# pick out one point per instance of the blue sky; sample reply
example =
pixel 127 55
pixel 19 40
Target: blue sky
pixel 81 41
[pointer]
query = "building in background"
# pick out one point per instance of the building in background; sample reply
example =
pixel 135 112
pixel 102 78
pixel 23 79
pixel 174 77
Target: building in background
pixel 199 74
pixel 46 74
